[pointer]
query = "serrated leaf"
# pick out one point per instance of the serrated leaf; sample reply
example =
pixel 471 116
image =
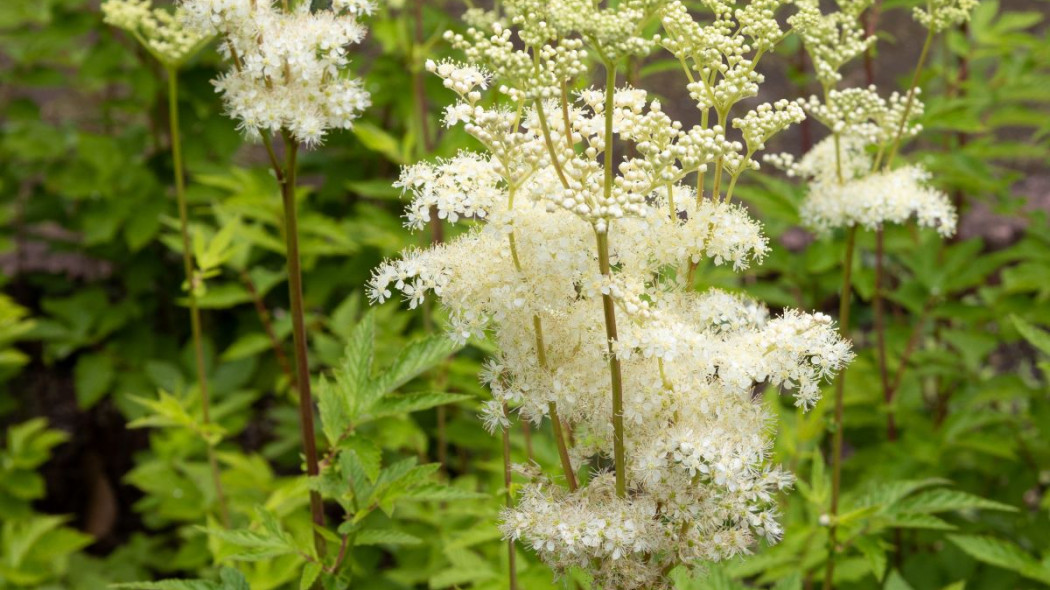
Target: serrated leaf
pixel 385 537
pixel 1002 553
pixel 256 545
pixel 944 499
pixel 413 360
pixel 413 402
pixel 1036 337
pixel 919 521
pixel 441 493
pixel 873 551
pixel 368 453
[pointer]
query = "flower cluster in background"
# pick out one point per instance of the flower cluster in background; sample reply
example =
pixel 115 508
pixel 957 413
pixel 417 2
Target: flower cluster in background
pixel 289 70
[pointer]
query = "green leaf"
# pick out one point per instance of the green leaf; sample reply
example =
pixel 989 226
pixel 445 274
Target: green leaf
pixel 368 453
pixel 385 537
pixel 171 585
pixel 895 581
pixel 413 402
pixel 944 499
pixel 256 545
pixel 919 521
pixel 437 492
pixel 310 573
pixel 875 553
pixel 414 359
pixel 1036 337
pixel 1002 553
pixel 380 141
pixel 93 376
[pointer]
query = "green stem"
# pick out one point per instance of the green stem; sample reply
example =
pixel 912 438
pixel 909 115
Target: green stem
pixel 840 384
pixel 608 305
pixel 541 356
pixel 911 99
pixel 187 263
pixel 512 565
pixel 302 368
pixel 545 128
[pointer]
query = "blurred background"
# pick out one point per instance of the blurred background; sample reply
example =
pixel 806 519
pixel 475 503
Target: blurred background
pixel 93 317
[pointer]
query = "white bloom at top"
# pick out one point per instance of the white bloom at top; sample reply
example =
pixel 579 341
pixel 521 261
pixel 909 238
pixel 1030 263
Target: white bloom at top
pixel 883 197
pixel 289 71
pixel 161 32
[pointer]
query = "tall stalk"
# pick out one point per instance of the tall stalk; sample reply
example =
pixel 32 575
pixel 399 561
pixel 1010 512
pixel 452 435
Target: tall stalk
pixel 541 357
pixel 888 389
pixel 187 263
pixel 840 386
pixel 909 103
pixel 295 292
pixel 512 558
pixel 608 305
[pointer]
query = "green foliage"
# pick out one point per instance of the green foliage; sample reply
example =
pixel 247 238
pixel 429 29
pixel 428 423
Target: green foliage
pixel 94 335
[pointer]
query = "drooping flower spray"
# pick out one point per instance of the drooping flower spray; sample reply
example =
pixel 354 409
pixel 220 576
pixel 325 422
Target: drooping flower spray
pixel 164 37
pixel 290 78
pixel 851 175
pixel 578 274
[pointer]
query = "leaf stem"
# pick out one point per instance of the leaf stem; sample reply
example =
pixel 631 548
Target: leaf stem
pixel 187 263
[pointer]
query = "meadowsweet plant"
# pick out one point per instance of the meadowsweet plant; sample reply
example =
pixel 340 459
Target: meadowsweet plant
pixel 580 271
pixel 852 180
pixel 163 34
pixel 289 76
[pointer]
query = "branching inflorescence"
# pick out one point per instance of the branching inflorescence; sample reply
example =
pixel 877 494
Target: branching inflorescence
pixel 579 274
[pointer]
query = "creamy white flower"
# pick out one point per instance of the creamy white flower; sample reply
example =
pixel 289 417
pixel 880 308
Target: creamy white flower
pixel 289 71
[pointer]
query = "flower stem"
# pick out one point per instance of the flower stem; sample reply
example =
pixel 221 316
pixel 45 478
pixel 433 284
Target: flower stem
pixel 512 565
pixel 840 385
pixel 608 306
pixel 302 368
pixel 541 356
pixel 187 263
pixel 880 333
pixel 911 99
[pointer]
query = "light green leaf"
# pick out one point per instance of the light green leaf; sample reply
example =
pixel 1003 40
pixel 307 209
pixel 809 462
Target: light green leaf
pixel 944 499
pixel 1036 337
pixel 380 141
pixel 1002 553
pixel 875 553
pixel 385 537
pixel 895 581
pixel 93 376
pixel 414 359
pixel 310 573
pixel 413 402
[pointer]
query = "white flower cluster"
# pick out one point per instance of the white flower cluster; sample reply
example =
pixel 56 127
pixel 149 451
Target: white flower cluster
pixel 832 39
pixel 943 14
pixel 874 199
pixel 158 30
pixel 851 181
pixel 290 70
pixel 533 278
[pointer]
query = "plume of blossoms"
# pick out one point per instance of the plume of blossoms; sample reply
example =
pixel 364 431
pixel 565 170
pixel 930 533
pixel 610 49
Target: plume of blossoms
pixel 160 31
pixel 290 70
pixel 851 181
pixel 696 482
